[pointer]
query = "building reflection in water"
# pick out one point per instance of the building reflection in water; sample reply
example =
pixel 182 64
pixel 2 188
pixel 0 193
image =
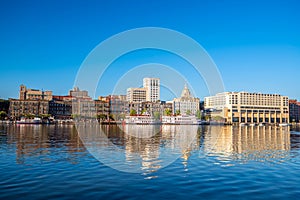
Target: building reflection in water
pixel 147 148
pixel 142 146
pixel 181 138
pixel 139 148
pixel 168 144
pixel 247 143
pixel 47 143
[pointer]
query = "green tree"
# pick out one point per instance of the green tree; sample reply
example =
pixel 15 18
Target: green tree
pixel 3 115
pixel 29 116
pixel 132 112
pixel 44 116
pixel 188 112
pixel 112 117
pixel 121 116
pixel 218 118
pixel 177 112
pixel 101 117
pixel 143 111
pixel 168 112
pixel 74 116
pixel 156 115
pixel 207 118
pixel 198 114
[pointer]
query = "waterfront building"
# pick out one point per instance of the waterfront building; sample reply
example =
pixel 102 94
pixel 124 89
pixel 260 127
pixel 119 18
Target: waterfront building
pixel 118 106
pixel 76 92
pixel 152 86
pixel 102 107
pixel 82 104
pixel 149 108
pixel 186 103
pixel 60 107
pixel 34 94
pixel 294 108
pixel 245 107
pixel 19 108
pixel 136 95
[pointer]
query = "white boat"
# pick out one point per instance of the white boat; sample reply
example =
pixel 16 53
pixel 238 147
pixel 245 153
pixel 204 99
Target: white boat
pixel 253 124
pixel 284 124
pixel 35 120
pixel 141 119
pixel 182 119
pixel 243 124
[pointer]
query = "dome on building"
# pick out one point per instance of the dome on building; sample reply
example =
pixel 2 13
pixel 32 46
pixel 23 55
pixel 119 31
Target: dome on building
pixel 186 92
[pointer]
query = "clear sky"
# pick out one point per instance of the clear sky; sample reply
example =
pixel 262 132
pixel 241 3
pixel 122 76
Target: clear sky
pixel 255 44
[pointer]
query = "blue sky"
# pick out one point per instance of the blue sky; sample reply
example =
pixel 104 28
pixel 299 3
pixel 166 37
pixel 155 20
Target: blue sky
pixel 255 44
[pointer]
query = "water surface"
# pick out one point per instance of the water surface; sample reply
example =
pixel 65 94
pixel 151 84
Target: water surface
pixel 179 162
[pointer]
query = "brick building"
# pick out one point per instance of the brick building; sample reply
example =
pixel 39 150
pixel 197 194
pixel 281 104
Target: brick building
pixel 294 107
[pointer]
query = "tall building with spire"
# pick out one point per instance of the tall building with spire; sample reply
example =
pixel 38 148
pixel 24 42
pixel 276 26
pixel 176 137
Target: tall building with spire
pixel 186 103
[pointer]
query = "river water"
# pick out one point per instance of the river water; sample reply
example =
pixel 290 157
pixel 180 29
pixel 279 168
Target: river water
pixel 147 162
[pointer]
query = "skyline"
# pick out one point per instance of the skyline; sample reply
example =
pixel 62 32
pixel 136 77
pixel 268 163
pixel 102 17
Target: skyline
pixel 255 45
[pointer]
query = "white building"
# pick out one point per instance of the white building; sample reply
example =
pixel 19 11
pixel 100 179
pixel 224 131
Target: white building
pixel 152 86
pixel 136 94
pixel 186 104
pixel 248 107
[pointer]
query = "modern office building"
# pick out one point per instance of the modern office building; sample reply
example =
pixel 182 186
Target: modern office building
pixel 186 103
pixel 34 94
pixel 294 106
pixel 248 107
pixel 136 94
pixel 152 86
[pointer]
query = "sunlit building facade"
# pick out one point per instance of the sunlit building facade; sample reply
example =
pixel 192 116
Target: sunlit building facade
pixel 136 94
pixel 245 107
pixel 152 86
pixel 34 94
pixel 186 103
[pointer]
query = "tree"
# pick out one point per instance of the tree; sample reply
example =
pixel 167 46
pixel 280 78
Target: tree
pixel 156 115
pixel 188 112
pixel 74 116
pixel 218 118
pixel 144 111
pixel 3 115
pixel 44 116
pixel 121 116
pixel 168 112
pixel 29 116
pixel 101 117
pixel 177 112
pixel 132 112
pixel 198 114
pixel 112 117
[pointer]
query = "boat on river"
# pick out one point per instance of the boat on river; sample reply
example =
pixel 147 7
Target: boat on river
pixel 183 119
pixel 35 120
pixel 142 119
